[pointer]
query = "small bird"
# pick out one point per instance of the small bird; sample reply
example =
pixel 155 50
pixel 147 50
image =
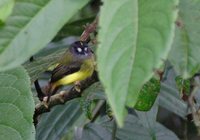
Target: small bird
pixel 77 64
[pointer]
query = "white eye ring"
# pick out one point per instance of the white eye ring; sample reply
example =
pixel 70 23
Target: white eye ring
pixel 79 49
pixel 85 49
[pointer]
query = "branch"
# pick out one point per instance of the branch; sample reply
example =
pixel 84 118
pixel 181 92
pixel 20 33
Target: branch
pixel 114 129
pixel 195 112
pixel 64 96
pixel 89 29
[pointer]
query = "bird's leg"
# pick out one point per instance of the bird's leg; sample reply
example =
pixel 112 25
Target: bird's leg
pixel 46 101
pixel 77 86
pixel 50 90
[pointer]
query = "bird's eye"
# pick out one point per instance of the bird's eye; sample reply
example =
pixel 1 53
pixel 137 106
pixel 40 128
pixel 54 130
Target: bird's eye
pixel 85 49
pixel 79 49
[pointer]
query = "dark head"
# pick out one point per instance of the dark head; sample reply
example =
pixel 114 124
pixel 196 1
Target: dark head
pixel 80 48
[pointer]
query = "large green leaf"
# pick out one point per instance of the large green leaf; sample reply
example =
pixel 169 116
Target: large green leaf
pixel 93 131
pixel 60 120
pixel 144 127
pixel 155 34
pixel 41 64
pixel 46 58
pixel 117 37
pixel 16 106
pixel 6 7
pixel 185 51
pixel 169 98
pixel 134 129
pixel 31 26
pixel 135 37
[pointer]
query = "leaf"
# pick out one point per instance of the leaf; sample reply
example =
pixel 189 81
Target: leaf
pixel 143 126
pixel 6 7
pixel 148 95
pixel 148 118
pixel 133 129
pixel 89 97
pixel 155 34
pixel 130 32
pixel 59 121
pixel 93 131
pixel 46 58
pixel 16 106
pixel 31 26
pixel 183 85
pixel 169 96
pixel 169 99
pixel 94 92
pixel 185 51
pixel 155 129
pixel 116 50
pixel 41 64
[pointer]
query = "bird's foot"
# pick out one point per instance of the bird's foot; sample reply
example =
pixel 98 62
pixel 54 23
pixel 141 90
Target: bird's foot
pixel 46 101
pixel 77 86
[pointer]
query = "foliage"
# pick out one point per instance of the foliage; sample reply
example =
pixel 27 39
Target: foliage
pixel 16 105
pixel 6 7
pixel 126 65
pixel 134 39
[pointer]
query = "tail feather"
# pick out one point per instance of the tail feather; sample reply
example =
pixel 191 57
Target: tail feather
pixel 40 93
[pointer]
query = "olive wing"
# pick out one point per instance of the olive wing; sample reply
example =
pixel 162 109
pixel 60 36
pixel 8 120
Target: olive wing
pixel 62 70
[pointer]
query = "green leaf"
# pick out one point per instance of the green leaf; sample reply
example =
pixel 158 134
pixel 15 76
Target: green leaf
pixel 185 51
pixel 31 26
pixel 41 64
pixel 155 34
pixel 94 92
pixel 148 118
pixel 46 58
pixel 93 131
pixel 135 37
pixel 6 7
pixel 135 130
pixel 116 50
pixel 169 98
pixel 16 106
pixel 183 85
pixel 143 126
pixel 89 97
pixel 148 95
pixel 59 121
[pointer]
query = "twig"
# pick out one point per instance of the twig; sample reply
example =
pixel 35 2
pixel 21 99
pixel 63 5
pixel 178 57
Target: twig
pixel 97 109
pixel 64 96
pixel 89 29
pixel 195 112
pixel 114 130
pixel 185 128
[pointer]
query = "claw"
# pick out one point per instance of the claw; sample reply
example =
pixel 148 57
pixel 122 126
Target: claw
pixel 46 102
pixel 77 86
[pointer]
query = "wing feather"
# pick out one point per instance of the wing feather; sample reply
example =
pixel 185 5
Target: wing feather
pixel 62 70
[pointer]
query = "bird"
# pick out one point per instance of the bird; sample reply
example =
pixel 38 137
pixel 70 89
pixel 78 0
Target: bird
pixel 76 64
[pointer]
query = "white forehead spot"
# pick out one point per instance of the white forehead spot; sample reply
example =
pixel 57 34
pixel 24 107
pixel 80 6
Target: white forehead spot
pixel 79 49
pixel 85 49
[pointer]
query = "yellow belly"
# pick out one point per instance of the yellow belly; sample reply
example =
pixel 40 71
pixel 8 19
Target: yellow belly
pixel 77 76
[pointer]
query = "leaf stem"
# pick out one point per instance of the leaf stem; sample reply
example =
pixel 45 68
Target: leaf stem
pixel 114 130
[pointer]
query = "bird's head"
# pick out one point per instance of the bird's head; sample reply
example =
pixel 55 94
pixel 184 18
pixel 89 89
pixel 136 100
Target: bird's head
pixel 80 48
